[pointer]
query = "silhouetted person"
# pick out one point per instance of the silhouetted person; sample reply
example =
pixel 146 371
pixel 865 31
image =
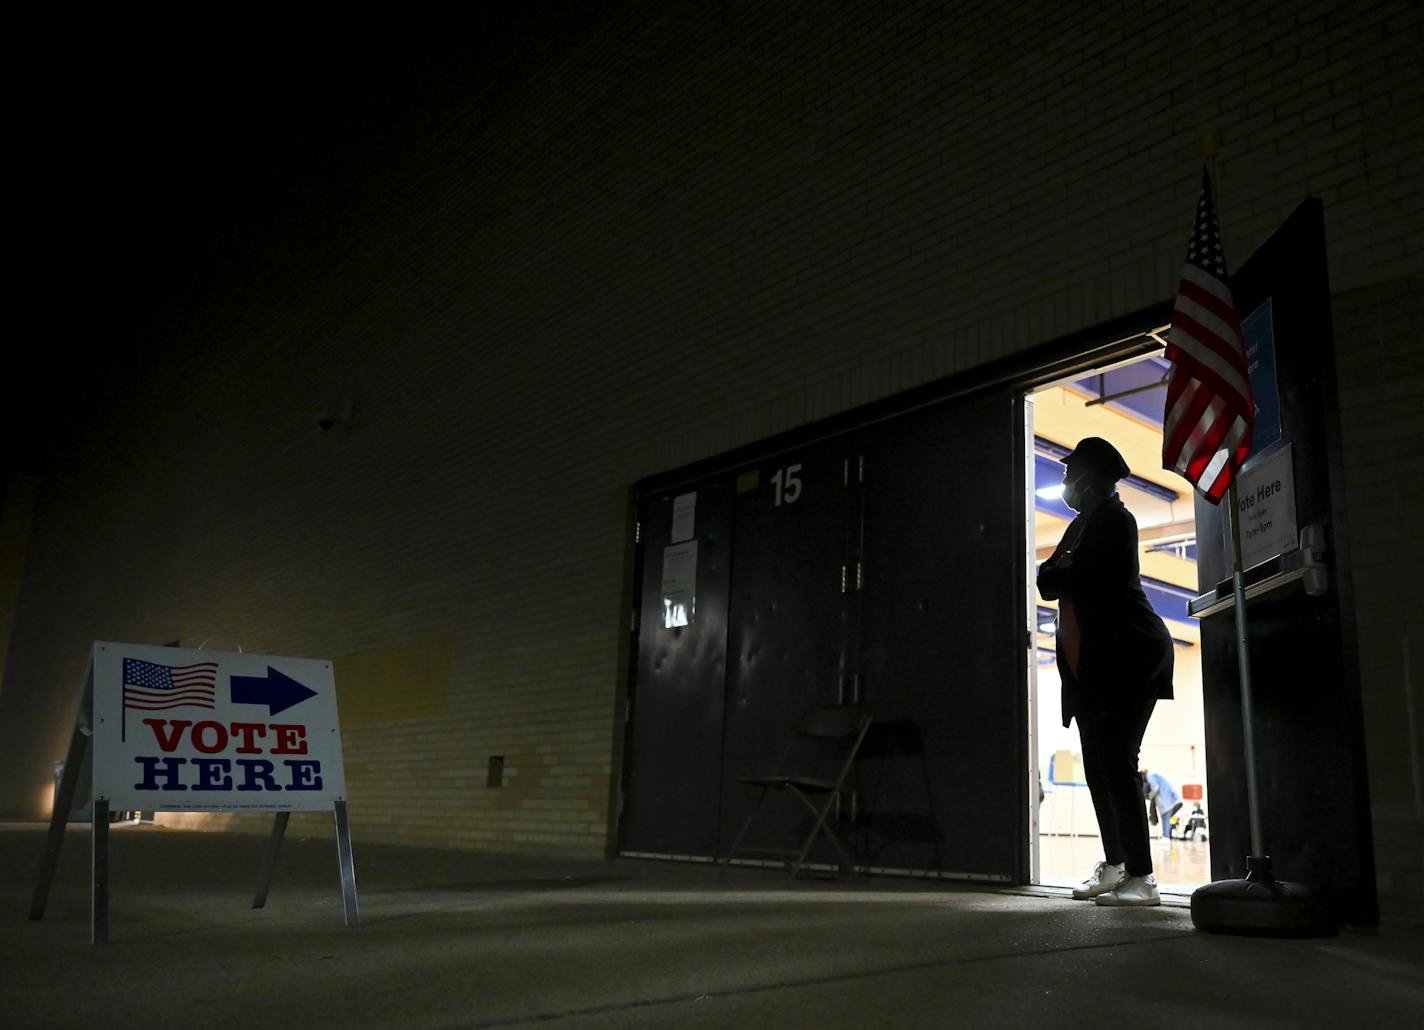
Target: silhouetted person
pixel 1115 660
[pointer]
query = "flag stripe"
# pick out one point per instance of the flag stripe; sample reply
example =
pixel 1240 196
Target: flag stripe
pixel 155 706
pixel 1191 401
pixel 1196 344
pixel 161 695
pixel 1202 436
pixel 1216 473
pixel 1205 289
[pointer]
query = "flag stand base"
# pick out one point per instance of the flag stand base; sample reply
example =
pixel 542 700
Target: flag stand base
pixel 1261 906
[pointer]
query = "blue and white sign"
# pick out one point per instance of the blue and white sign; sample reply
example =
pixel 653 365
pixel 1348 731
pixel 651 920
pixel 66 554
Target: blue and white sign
pixel 207 731
pixel 1258 332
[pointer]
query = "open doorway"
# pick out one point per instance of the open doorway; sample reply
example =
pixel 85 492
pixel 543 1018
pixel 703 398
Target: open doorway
pixel 1122 403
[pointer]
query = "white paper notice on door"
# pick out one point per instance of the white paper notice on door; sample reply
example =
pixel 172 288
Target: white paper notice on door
pixel 684 514
pixel 679 584
pixel 1266 507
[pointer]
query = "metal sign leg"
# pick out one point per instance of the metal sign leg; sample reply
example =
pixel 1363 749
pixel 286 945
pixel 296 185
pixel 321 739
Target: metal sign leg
pixel 99 842
pixel 269 864
pixel 63 803
pixel 348 867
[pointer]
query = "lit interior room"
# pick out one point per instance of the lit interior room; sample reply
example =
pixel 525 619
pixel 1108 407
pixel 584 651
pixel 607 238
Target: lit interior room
pixel 1123 405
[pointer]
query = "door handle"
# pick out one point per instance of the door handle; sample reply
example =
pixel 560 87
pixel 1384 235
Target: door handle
pixel 1312 551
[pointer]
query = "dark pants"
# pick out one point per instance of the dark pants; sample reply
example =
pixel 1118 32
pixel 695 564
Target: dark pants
pixel 1110 746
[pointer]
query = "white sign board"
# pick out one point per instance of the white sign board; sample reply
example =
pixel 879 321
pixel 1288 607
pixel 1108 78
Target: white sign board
pixel 208 731
pixel 1266 508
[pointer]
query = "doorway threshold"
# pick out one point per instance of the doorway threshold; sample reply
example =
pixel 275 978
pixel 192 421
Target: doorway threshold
pixel 1174 895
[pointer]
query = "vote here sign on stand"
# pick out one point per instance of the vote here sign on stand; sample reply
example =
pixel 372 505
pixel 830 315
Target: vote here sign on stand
pixel 206 731
pixel 202 731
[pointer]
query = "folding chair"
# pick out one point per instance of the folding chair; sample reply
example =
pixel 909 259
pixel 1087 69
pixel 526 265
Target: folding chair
pixel 898 798
pixel 824 737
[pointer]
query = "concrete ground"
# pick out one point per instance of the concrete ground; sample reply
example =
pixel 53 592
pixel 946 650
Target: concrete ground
pixel 450 939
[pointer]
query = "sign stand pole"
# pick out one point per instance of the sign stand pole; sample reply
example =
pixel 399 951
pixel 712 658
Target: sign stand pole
pixel 1243 671
pixel 269 864
pixel 348 866
pixel 345 862
pixel 64 799
pixel 99 862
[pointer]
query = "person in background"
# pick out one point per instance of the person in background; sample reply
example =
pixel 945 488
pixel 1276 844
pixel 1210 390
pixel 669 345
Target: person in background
pixel 1115 661
pixel 1196 823
pixel 1162 800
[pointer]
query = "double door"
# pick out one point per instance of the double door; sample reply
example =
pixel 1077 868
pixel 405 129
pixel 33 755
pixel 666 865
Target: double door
pixel 883 565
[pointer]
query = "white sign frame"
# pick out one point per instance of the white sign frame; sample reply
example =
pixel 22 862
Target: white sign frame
pixel 178 730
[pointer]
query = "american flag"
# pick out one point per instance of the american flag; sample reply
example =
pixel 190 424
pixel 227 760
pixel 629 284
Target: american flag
pixel 150 686
pixel 1207 424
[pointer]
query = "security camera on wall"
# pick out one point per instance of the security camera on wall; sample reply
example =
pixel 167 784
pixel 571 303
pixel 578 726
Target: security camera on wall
pixel 325 421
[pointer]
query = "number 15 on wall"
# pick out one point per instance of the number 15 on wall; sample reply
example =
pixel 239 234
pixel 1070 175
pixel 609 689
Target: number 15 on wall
pixel 787 485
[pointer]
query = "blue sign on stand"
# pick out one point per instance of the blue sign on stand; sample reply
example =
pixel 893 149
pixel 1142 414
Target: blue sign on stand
pixel 1258 331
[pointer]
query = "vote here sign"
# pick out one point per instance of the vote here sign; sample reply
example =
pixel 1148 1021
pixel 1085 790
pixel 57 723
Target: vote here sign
pixel 206 731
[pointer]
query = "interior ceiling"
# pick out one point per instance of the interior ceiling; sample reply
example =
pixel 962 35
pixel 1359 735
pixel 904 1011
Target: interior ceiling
pixel 1161 501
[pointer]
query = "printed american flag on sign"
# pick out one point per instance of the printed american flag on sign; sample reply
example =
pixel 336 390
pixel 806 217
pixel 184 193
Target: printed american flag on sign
pixel 1207 422
pixel 150 686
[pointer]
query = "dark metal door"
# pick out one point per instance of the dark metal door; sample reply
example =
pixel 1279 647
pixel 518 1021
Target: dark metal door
pixel 672 772
pixel 943 660
pixel 1308 733
pixel 788 626
pixel 884 566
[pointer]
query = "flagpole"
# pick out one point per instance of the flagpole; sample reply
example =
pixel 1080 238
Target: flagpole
pixel 1243 664
pixel 1238 590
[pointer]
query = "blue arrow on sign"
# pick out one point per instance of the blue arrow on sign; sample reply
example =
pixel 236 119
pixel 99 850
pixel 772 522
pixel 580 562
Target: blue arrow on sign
pixel 276 690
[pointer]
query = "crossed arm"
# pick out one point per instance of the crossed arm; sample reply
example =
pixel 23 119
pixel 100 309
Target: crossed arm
pixel 1107 553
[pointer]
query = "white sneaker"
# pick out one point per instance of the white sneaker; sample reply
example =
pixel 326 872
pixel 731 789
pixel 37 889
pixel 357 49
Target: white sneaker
pixel 1134 890
pixel 1105 877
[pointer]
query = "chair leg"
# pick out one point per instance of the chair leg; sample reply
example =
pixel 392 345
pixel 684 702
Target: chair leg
pixel 815 831
pixel 727 861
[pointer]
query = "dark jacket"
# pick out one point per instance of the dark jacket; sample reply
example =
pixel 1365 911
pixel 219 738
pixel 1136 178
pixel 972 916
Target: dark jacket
pixel 1124 649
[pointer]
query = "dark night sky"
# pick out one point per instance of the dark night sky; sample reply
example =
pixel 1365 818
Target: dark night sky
pixel 151 140
pixel 150 137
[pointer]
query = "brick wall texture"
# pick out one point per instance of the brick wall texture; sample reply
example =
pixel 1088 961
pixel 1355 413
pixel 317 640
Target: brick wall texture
pixel 655 232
